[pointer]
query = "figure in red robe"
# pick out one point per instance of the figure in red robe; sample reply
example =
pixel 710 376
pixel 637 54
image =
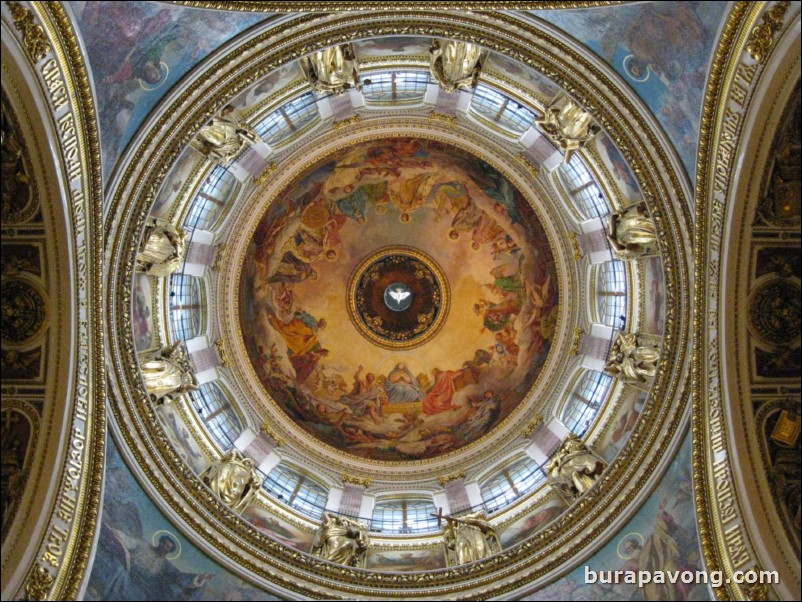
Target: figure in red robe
pixel 439 398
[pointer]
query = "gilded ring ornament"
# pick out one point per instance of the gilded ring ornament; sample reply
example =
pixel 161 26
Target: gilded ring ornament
pixel 774 313
pixel 24 309
pixel 406 290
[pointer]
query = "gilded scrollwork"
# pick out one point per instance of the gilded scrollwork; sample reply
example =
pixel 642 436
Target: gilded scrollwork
pixel 762 37
pixel 39 584
pixel 355 480
pixel 33 35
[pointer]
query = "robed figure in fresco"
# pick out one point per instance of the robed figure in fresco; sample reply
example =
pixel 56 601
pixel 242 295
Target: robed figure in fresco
pixel 132 568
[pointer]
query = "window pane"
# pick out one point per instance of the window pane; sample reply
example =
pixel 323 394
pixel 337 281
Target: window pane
pixel 185 306
pixel 288 119
pixel 502 110
pixel 398 86
pixel 513 482
pixel 404 516
pixel 212 196
pixel 585 401
pixel 582 188
pixel 216 411
pixel 611 291
pixel 296 490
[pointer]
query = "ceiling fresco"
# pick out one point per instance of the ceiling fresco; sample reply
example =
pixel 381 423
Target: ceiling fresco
pixel 139 51
pixel 662 50
pixel 424 203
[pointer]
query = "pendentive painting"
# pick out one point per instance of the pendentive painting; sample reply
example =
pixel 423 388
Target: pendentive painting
pixel 398 300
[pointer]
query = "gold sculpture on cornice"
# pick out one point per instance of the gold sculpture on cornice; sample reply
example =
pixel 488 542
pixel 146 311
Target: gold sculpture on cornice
pixel 225 137
pixel 632 360
pixel 468 538
pixel 575 468
pixel 167 372
pixel 333 70
pixel 631 232
pixel 567 124
pixel 341 540
pixel 456 65
pixel 163 248
pixel 233 479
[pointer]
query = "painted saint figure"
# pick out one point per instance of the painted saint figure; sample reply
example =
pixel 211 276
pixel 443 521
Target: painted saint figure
pixel 401 386
pixel 300 335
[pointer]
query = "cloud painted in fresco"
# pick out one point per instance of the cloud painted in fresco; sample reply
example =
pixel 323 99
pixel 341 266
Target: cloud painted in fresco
pixel 138 50
pixel 131 529
pixel 661 536
pixel 662 50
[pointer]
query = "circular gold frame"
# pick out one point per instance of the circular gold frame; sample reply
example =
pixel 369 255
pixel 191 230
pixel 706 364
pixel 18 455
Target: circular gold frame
pixel 429 331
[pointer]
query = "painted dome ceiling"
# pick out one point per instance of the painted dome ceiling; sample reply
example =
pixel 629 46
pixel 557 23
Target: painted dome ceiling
pixel 472 323
pixel 450 274
pixel 396 288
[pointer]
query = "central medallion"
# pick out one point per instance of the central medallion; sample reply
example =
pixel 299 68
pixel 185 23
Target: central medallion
pixel 398 297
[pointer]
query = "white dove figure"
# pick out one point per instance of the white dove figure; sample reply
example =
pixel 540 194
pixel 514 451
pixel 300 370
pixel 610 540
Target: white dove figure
pixel 399 295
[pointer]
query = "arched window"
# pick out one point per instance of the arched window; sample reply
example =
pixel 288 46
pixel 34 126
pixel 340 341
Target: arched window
pixel 210 199
pixel 585 400
pixel 186 306
pixel 582 188
pixel 288 119
pixel 502 110
pixel 215 410
pixel 396 87
pixel 512 482
pixel 404 516
pixel 611 294
pixel 297 490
